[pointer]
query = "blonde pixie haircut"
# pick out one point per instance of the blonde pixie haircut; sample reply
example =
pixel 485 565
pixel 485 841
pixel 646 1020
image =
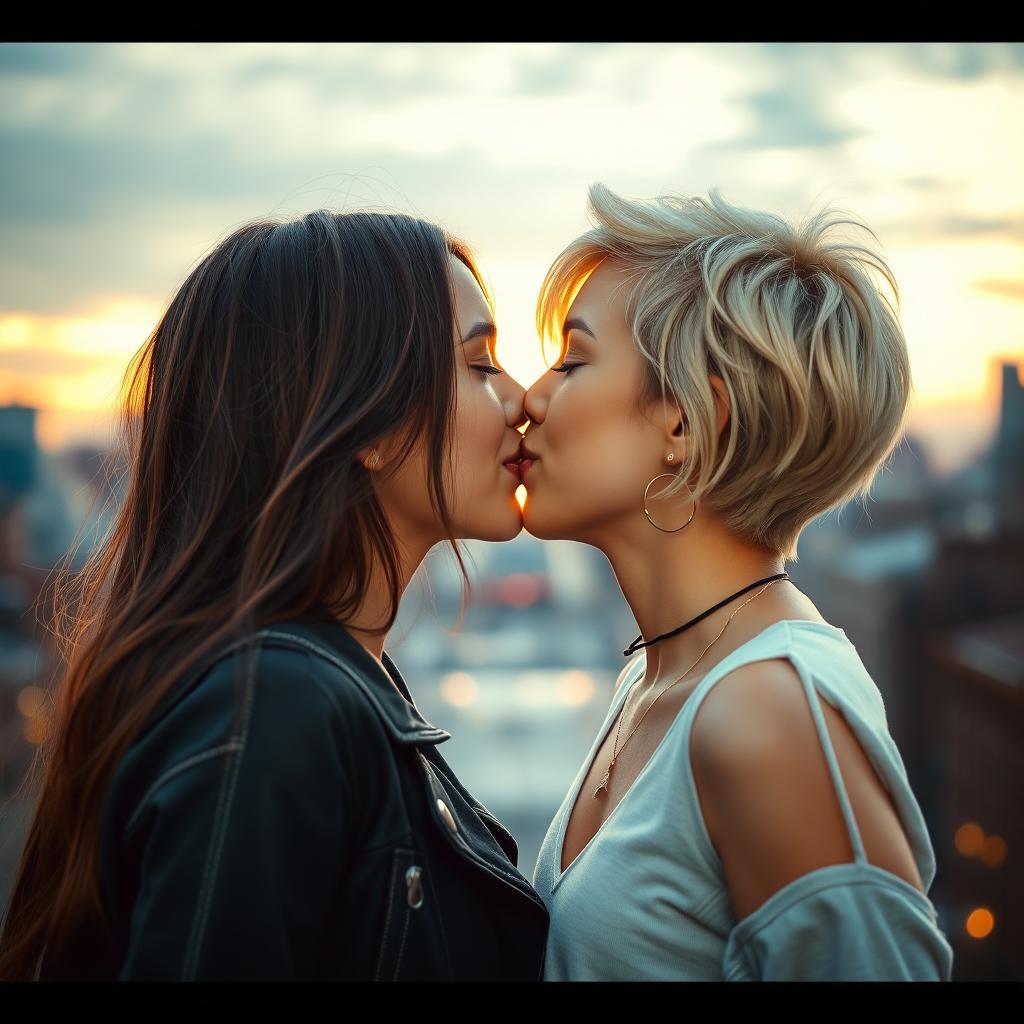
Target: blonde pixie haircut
pixel 811 352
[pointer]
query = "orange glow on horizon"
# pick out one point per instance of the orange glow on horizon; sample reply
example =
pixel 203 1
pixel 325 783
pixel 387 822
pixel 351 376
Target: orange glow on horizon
pixel 72 369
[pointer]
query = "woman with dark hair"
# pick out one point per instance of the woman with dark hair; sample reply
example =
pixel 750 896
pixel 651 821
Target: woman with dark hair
pixel 237 783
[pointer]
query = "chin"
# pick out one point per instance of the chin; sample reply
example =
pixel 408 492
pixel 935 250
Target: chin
pixel 504 526
pixel 513 531
pixel 535 525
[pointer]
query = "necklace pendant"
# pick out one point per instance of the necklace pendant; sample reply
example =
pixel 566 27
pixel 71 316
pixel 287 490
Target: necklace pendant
pixel 604 785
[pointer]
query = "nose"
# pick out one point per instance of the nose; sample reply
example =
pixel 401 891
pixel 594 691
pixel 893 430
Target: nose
pixel 515 413
pixel 535 401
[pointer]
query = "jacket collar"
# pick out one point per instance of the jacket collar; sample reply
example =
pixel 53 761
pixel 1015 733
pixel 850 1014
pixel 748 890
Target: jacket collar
pixel 390 696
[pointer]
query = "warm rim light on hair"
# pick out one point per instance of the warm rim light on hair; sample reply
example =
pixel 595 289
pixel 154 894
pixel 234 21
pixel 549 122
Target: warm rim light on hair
pixel 810 350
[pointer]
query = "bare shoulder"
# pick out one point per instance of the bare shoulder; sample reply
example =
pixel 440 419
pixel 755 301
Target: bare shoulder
pixel 750 709
pixel 764 785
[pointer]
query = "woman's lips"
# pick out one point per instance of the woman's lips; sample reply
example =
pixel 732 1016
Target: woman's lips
pixel 518 469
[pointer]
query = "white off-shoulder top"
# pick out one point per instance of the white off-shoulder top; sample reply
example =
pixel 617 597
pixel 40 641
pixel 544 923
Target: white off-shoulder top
pixel 646 900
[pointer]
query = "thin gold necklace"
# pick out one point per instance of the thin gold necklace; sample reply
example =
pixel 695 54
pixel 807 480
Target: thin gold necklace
pixel 616 751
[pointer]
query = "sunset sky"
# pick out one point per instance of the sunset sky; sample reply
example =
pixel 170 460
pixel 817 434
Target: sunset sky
pixel 123 163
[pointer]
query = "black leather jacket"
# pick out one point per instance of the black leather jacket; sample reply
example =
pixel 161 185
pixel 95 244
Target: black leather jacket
pixel 306 827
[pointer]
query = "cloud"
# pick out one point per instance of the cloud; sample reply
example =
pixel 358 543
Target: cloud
pixel 1010 288
pixel 966 225
pixel 46 59
pixel 951 226
pixel 123 163
pixel 33 360
pixel 791 117
pixel 791 105
pixel 929 183
pixel 958 60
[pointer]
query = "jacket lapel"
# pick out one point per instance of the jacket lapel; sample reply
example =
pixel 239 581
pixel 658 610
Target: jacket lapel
pixel 478 834
pixel 390 696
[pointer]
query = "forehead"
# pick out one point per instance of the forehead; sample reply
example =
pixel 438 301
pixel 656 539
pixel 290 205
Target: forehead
pixel 602 297
pixel 468 298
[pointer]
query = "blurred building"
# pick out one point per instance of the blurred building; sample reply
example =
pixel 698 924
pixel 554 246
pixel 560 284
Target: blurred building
pixel 929 585
pixel 1008 453
pixel 46 501
pixel 978 681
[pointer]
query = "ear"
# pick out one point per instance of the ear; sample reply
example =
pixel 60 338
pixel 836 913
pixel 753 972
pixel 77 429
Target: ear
pixel 373 456
pixel 675 421
pixel 386 448
pixel 722 405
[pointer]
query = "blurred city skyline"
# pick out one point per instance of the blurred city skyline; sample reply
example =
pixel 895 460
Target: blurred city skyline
pixel 124 163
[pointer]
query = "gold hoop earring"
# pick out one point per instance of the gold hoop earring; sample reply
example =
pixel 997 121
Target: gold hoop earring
pixel 652 522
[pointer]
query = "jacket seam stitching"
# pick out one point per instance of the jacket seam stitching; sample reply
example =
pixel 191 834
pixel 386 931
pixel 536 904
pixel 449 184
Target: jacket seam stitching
pixel 387 917
pixel 401 945
pixel 189 762
pixel 221 817
pixel 432 892
pixel 188 971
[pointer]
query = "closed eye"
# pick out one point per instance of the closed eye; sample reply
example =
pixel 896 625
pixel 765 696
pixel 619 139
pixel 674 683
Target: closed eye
pixel 566 367
pixel 489 369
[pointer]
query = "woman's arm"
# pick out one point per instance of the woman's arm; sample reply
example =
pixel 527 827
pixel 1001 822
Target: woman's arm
pixel 775 821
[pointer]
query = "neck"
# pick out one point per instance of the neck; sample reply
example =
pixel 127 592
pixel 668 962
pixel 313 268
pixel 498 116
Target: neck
pixel 373 608
pixel 670 578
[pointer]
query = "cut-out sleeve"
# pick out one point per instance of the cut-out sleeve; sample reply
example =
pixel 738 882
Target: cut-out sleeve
pixel 840 923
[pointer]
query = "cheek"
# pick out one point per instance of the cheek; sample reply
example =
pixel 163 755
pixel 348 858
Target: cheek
pixel 581 412
pixel 479 426
pixel 592 438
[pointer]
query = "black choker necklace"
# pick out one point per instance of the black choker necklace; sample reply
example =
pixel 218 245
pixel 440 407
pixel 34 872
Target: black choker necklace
pixel 636 644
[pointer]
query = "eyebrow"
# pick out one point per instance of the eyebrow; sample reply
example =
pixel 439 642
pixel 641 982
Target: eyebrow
pixel 482 329
pixel 579 325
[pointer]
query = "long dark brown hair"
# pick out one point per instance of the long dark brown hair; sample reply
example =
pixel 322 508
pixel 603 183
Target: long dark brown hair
pixel 289 348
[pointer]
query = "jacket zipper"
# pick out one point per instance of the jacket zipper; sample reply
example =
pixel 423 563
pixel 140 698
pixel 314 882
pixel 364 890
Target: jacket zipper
pixel 414 887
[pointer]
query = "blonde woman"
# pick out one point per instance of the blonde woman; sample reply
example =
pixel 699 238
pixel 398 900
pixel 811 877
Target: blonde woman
pixel 743 814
